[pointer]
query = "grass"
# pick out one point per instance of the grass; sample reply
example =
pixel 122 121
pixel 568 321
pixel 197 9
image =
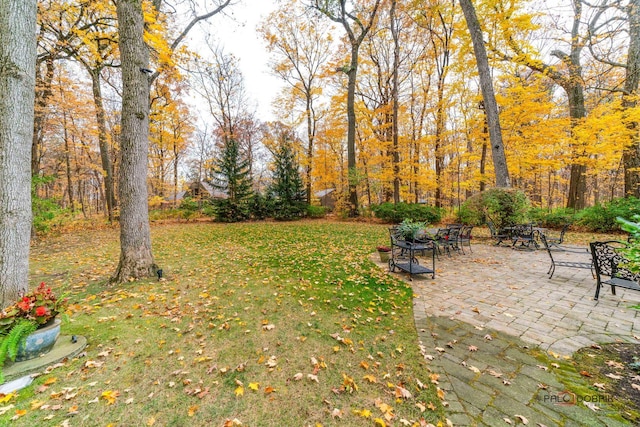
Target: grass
pixel 245 310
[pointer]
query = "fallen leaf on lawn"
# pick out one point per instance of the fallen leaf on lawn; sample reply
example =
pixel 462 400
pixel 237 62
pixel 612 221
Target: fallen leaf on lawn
pixel 4 398
pixel 129 401
pixel 379 422
pixel 508 421
pixel 239 391
pixel 585 374
pixel 506 382
pixel 403 393
pixel 522 419
pixel 555 365
pixel 474 369
pixel 365 413
pixel 192 410
pixel 50 381
pixel 440 393
pixel 254 386
pixel 298 376
pixel 591 406
pixel 544 368
pixel 614 364
pixel 421 406
pixel 6 409
pixel 472 348
pixel 494 373
pixel 336 413
pixel 635 386
pixel 110 396
pixel 233 422
pixel 475 310
pixel 312 377
pixel 73 410
pixel 269 390
pixel 440 349
pixel 269 327
pixel 272 362
pixel 370 378
pixel 19 413
pixel 613 376
pixel 364 365
pixel 488 337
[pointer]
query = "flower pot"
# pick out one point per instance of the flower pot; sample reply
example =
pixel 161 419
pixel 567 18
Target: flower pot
pixel 384 256
pixel 41 341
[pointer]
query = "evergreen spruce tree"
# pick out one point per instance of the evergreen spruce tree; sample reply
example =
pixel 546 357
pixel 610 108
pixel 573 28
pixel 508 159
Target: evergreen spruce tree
pixel 231 175
pixel 287 188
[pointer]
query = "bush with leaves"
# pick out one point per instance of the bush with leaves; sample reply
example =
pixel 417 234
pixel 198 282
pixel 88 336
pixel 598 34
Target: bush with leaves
pixel 46 212
pixel 316 211
pixel 632 252
pixel 603 218
pixel 398 212
pixel 502 206
pixel 555 218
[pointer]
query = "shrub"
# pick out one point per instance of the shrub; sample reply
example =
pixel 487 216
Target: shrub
pixel 502 206
pixel 227 210
pixel 316 211
pixel 288 210
pixel 395 213
pixel 260 206
pixel 555 218
pixel 602 218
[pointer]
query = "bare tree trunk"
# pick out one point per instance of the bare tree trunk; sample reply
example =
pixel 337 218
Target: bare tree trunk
pixel 17 93
pixel 631 155
pixel 136 259
pixel 103 143
pixel 43 93
pixel 67 160
pixel 394 97
pixel 491 107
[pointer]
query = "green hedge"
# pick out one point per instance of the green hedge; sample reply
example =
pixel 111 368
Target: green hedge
pixel 398 212
pixel 602 218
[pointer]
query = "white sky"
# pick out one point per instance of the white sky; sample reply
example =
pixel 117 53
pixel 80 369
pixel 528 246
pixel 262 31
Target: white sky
pixel 236 32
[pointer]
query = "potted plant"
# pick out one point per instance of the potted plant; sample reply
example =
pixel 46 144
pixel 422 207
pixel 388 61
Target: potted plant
pixel 29 328
pixel 409 229
pixel 632 252
pixel 384 252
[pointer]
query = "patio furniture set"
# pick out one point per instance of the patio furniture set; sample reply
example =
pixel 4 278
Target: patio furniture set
pixel 608 264
pixel 447 240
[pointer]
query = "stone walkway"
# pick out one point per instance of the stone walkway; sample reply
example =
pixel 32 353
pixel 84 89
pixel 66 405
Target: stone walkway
pixel 479 319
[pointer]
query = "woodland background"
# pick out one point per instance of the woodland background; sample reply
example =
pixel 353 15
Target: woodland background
pixel 563 74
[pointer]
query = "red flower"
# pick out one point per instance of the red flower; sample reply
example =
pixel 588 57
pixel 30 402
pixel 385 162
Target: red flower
pixel 25 304
pixel 41 311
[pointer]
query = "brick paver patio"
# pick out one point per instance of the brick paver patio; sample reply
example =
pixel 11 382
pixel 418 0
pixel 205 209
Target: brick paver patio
pixel 500 301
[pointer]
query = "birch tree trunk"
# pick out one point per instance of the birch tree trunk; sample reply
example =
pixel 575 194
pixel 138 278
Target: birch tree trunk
pixel 17 93
pixel 136 259
pixel 490 104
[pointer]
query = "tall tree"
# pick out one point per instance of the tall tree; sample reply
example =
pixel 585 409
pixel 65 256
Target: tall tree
pixel 286 186
pixel 356 22
pixel 231 175
pixel 17 93
pixel 631 156
pixel 488 96
pixel 136 258
pixel 302 48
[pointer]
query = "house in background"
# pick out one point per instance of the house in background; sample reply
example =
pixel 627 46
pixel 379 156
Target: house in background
pixel 197 190
pixel 327 198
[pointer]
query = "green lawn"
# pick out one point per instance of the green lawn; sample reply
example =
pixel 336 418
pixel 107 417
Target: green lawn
pixel 267 324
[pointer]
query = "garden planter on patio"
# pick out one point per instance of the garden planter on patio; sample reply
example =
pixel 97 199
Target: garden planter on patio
pixel 384 256
pixel 40 342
